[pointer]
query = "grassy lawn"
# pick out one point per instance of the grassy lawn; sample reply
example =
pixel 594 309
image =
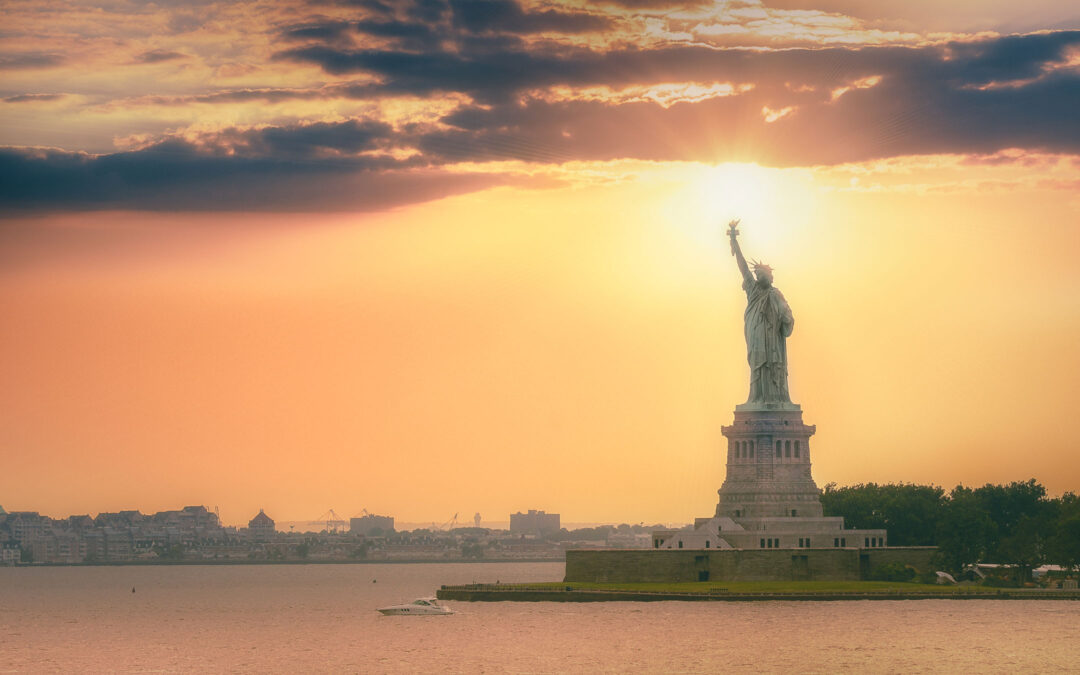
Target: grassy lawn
pixel 755 587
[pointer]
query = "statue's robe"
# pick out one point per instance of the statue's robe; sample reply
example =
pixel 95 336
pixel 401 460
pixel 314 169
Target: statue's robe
pixel 768 323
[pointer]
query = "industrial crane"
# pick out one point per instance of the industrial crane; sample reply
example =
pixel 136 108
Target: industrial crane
pixel 334 522
pixel 448 525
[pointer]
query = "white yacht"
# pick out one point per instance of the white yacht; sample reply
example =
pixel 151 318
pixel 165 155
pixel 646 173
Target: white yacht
pixel 419 607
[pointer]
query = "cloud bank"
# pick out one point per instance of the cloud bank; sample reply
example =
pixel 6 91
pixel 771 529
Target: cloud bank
pixel 368 104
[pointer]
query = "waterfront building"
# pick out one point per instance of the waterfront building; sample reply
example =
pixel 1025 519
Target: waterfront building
pixel 261 527
pixel 534 522
pixel 80 523
pixel 25 525
pixel 372 525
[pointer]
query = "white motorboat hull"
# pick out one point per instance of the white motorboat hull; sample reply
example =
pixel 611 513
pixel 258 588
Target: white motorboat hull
pixel 414 611
pixel 418 607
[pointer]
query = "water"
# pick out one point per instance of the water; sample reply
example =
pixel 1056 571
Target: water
pixel 321 618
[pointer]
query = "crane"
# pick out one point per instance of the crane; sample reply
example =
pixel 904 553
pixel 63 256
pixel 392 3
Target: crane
pixel 334 522
pixel 448 525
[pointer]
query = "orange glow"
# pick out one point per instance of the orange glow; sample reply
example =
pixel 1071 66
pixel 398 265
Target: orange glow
pixel 426 258
pixel 574 349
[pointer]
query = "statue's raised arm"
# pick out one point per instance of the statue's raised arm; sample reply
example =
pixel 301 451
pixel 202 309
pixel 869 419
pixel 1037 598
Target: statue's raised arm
pixel 737 252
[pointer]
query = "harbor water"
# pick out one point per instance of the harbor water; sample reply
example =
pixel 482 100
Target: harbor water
pixel 322 618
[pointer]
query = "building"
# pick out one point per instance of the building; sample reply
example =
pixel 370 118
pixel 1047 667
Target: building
pixel 372 525
pixel 261 527
pixel 25 525
pixel 534 522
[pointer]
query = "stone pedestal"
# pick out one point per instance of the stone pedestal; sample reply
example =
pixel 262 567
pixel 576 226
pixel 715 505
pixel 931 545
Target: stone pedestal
pixel 768 465
pixel 769 499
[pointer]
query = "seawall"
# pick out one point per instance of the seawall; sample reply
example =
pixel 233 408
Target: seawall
pixel 496 593
pixel 808 564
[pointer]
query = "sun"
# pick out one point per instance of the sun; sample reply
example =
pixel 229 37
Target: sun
pixel 770 202
pixel 729 191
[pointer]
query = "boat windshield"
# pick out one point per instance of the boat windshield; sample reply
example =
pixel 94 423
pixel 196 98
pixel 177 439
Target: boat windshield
pixel 420 602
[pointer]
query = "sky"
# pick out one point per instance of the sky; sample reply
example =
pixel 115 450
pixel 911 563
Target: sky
pixel 432 257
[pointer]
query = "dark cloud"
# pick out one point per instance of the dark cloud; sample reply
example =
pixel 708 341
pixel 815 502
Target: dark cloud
pixel 491 74
pixel 890 119
pixel 20 60
pixel 489 44
pixel 964 97
pixel 376 6
pixel 508 16
pixel 310 139
pixel 928 100
pixel 427 11
pixel 159 56
pixel 273 95
pixel 329 30
pixel 405 30
pixel 655 4
pixel 499 70
pixel 421 26
pixel 1012 57
pixel 184 22
pixel 500 66
pixel 930 16
pixel 28 98
pixel 177 176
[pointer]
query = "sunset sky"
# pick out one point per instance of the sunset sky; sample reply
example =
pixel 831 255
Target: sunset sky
pixel 438 256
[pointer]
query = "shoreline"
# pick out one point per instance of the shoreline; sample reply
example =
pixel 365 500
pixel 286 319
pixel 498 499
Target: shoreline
pixel 570 593
pixel 203 563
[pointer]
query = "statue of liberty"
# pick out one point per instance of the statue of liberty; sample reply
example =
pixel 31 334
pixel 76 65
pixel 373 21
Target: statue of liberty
pixel 768 323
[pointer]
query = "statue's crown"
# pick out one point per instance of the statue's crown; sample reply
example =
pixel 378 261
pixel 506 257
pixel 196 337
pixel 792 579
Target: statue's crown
pixel 758 265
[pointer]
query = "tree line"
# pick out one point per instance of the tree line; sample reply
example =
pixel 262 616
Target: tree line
pixel 1014 524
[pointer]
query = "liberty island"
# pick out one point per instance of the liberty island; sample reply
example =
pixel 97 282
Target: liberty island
pixel 768 523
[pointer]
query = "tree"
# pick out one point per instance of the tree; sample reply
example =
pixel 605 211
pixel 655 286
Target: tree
pixel 909 512
pixel 1063 547
pixel 472 550
pixel 1023 547
pixel 172 553
pixel 965 530
pixel 1016 509
pixel 1012 523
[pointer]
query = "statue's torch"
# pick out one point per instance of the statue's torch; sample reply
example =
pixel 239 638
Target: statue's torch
pixel 733 232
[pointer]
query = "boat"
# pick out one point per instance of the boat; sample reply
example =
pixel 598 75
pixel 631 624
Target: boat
pixel 418 607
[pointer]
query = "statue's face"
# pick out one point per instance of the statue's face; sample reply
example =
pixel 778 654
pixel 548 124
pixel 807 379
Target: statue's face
pixel 764 278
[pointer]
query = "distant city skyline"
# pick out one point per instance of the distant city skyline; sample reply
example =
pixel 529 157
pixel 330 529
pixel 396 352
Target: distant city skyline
pixel 283 525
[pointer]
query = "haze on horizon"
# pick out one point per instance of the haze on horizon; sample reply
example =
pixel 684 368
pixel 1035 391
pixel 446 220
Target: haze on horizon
pixel 446 256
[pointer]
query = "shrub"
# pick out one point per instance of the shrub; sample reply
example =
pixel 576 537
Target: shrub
pixel 892 572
